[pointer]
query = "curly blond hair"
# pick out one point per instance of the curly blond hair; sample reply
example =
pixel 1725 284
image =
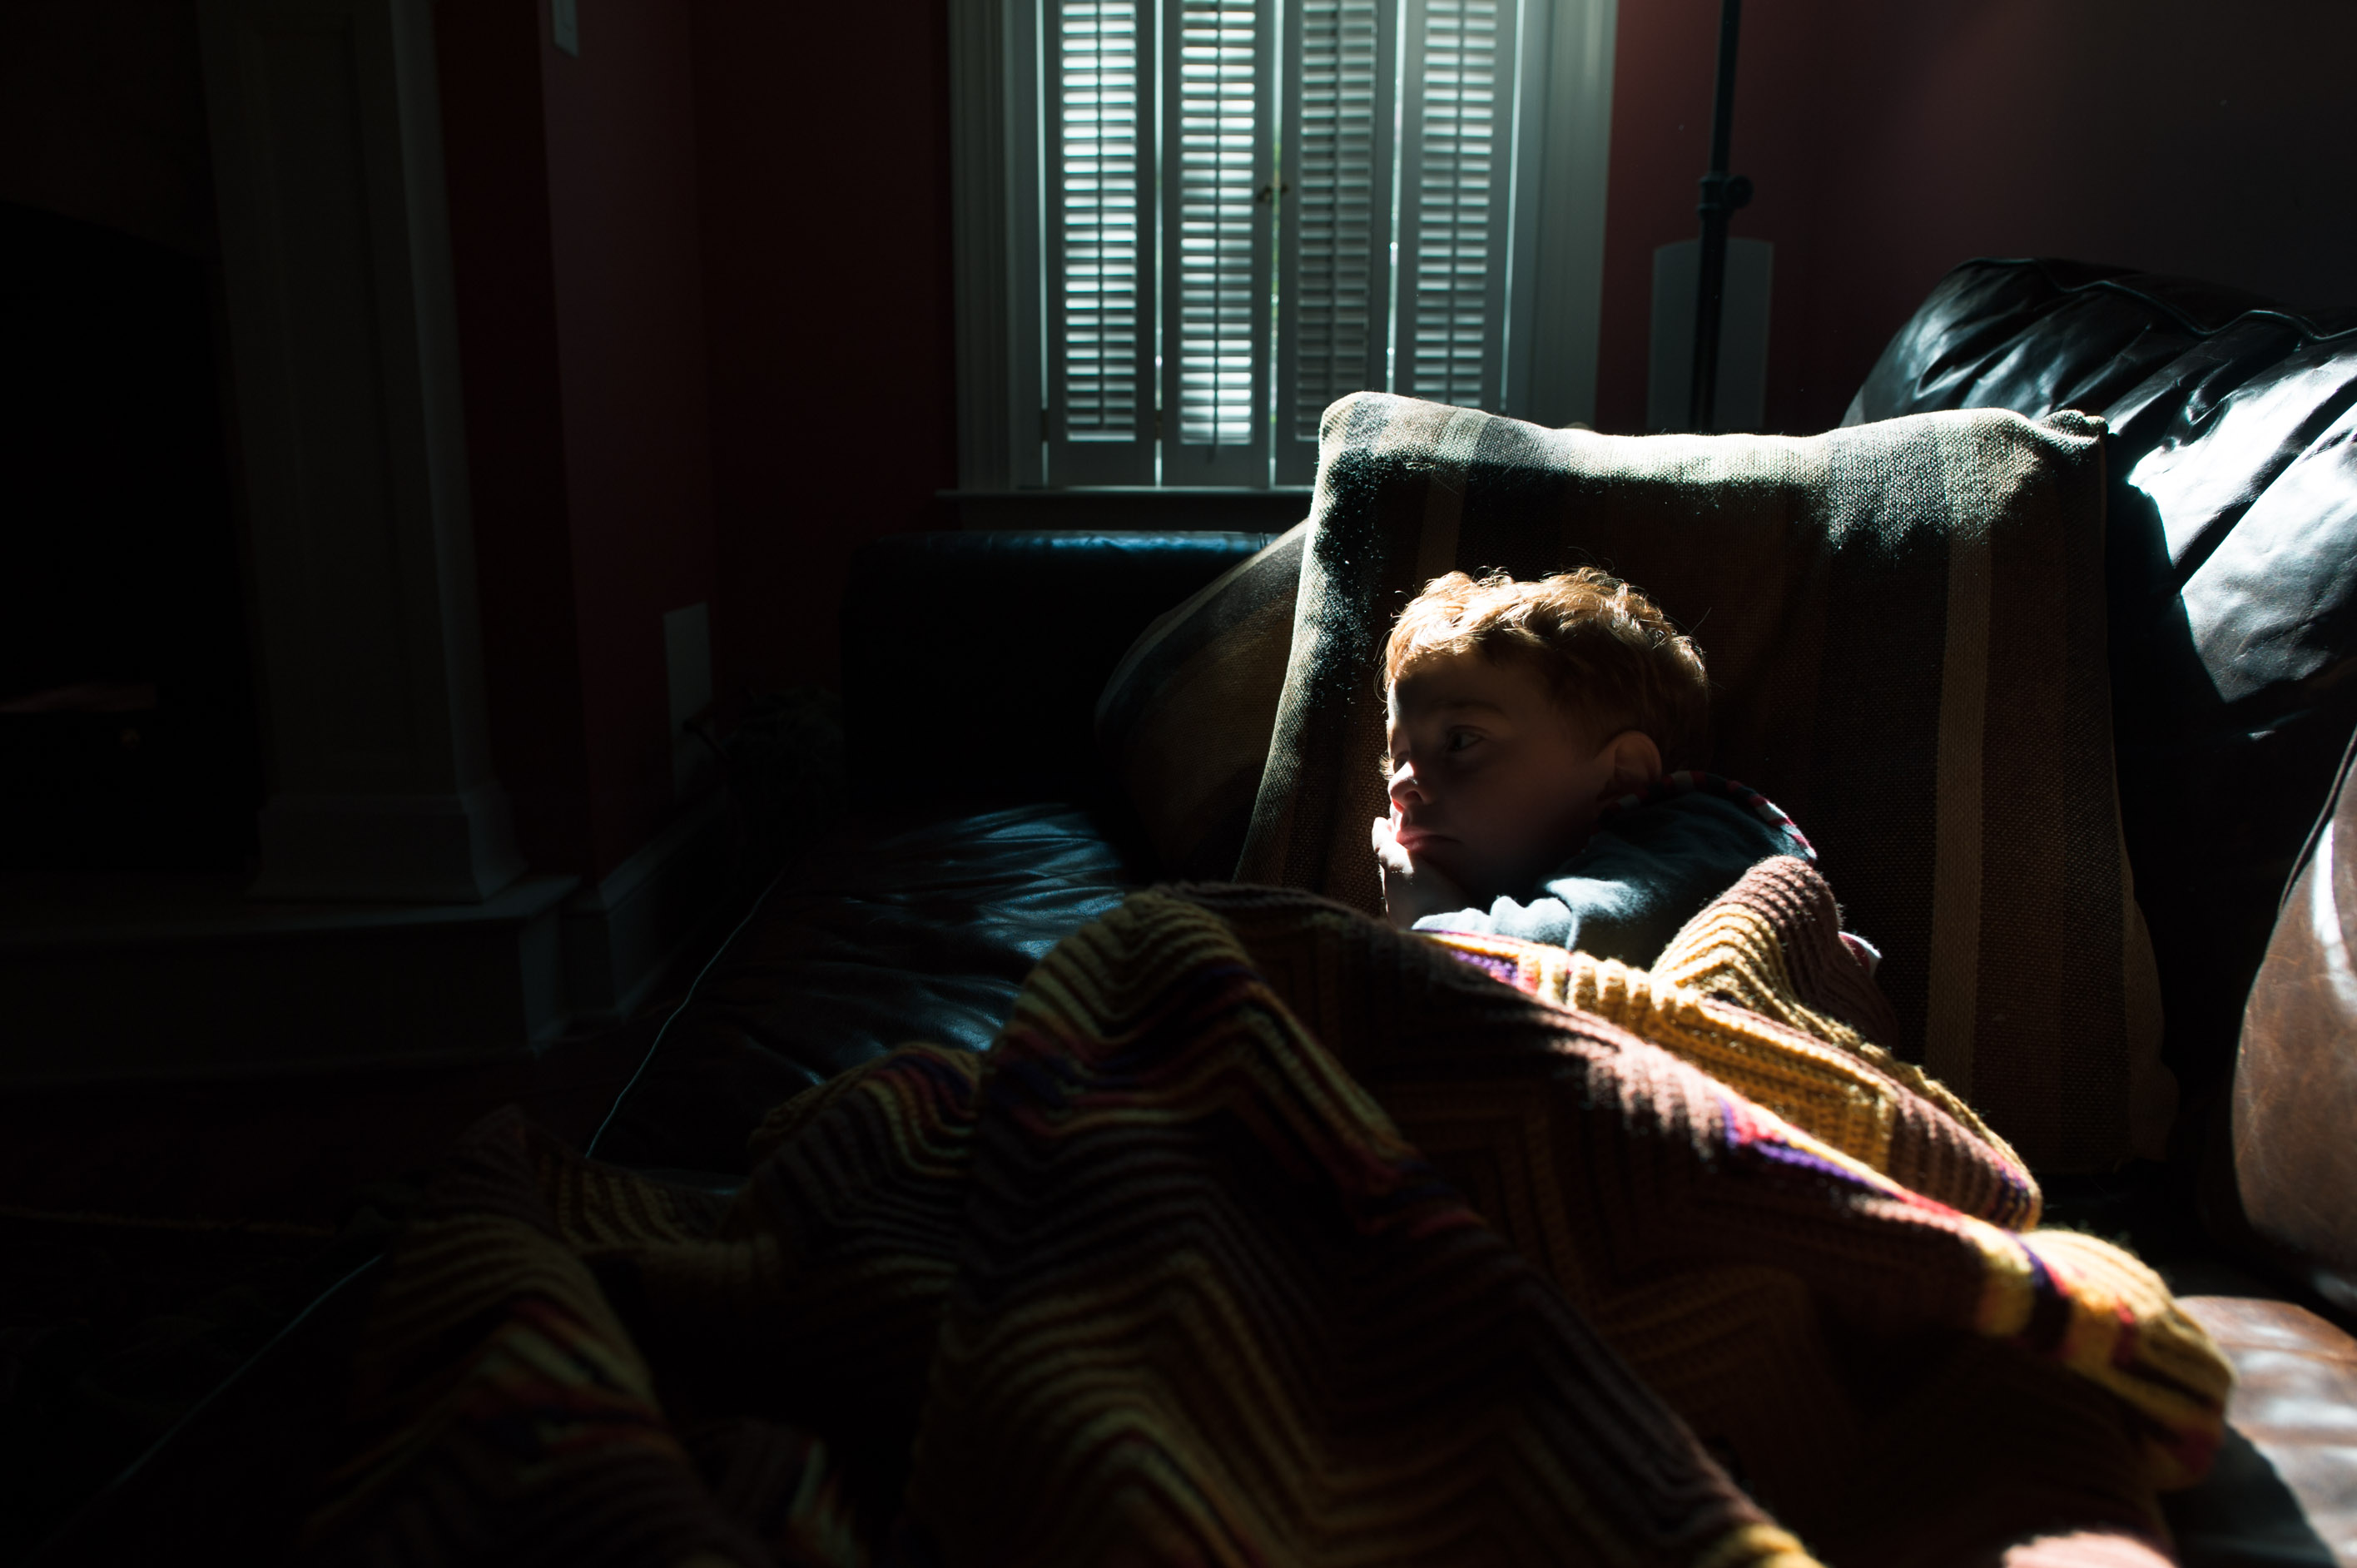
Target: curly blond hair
pixel 1607 651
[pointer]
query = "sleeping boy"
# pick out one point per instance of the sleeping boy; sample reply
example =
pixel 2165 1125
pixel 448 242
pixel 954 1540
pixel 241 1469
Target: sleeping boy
pixel 1541 739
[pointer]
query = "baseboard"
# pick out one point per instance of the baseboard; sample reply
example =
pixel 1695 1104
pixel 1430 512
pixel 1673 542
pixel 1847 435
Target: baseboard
pixel 140 977
pixel 147 978
pixel 623 931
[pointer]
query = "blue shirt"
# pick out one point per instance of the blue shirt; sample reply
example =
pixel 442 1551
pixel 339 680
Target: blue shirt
pixel 1652 864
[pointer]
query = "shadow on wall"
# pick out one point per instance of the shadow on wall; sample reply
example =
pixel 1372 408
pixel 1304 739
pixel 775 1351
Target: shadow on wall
pixel 827 281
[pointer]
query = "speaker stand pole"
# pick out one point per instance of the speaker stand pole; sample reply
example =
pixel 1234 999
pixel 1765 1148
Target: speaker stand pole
pixel 1721 194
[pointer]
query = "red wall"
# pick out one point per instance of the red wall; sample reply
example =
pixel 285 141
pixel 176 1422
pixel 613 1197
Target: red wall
pixel 703 286
pixel 1890 142
pixel 622 194
pixel 706 318
pixel 495 161
pixel 827 288
pixel 573 199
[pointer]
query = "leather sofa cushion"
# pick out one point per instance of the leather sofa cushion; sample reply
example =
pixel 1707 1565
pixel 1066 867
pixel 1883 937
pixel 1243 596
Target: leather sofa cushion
pixel 915 927
pixel 2232 570
pixel 1185 719
pixel 2284 1493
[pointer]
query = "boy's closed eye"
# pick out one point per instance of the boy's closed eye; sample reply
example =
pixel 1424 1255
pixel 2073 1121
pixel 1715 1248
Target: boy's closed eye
pixel 1457 740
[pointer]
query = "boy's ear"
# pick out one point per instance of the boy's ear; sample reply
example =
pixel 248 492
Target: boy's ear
pixel 1636 763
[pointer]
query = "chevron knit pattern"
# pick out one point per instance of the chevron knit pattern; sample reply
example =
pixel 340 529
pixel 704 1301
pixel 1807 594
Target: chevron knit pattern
pixel 1724 997
pixel 1735 1259
pixel 1264 1234
pixel 1773 943
pixel 1805 977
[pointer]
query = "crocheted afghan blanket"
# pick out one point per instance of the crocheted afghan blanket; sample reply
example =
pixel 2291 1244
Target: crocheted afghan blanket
pixel 1266 1233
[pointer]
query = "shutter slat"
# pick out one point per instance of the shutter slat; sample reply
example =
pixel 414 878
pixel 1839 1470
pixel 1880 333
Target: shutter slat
pixel 1102 182
pixel 1390 235
pixel 1453 231
pixel 1336 292
pixel 1216 345
pixel 1099 241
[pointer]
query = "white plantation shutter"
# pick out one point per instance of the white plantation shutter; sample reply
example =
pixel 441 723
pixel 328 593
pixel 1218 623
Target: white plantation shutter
pixel 1334 288
pixel 1099 65
pixel 1221 208
pixel 1248 209
pixel 1456 132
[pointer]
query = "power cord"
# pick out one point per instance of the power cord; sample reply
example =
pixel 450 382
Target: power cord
pixel 589 1151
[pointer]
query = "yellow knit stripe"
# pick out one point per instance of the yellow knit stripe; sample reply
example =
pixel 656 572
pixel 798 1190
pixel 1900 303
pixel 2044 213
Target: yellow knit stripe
pixel 1814 1071
pixel 604 1384
pixel 1107 984
pixel 1731 950
pixel 2124 1331
pixel 1808 1083
pixel 450 1270
pixel 915 1136
pixel 1755 1546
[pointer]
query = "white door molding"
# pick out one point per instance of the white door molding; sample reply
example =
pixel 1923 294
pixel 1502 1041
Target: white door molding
pixel 327 156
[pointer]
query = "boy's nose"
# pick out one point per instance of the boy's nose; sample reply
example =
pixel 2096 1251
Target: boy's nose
pixel 1407 789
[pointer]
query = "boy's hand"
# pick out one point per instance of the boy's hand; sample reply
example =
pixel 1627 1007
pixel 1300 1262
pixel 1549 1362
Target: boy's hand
pixel 1412 889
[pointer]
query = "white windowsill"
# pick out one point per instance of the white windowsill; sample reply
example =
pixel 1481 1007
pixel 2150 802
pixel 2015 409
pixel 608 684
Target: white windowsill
pixel 1142 508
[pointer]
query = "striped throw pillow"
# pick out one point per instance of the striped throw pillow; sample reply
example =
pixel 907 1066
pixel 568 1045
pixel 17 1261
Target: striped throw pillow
pixel 1905 629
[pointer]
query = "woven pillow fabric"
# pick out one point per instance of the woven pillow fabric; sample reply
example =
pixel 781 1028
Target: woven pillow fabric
pixel 1185 716
pixel 1904 624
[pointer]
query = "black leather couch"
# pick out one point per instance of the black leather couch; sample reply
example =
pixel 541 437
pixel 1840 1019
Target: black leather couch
pixel 987 828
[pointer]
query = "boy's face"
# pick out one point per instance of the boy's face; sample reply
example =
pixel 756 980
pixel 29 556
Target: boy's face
pixel 1492 783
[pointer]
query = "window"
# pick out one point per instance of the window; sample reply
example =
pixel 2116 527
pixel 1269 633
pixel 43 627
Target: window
pixel 1187 226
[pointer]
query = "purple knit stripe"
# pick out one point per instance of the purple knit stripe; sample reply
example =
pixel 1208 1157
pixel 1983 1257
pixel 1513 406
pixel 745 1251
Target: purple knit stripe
pixel 1785 1153
pixel 1498 967
pixel 1767 1146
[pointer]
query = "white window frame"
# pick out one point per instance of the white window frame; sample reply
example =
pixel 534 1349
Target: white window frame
pixel 1007 438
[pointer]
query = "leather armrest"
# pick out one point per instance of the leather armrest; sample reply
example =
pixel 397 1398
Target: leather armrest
pixel 971 661
pixel 2295 1103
